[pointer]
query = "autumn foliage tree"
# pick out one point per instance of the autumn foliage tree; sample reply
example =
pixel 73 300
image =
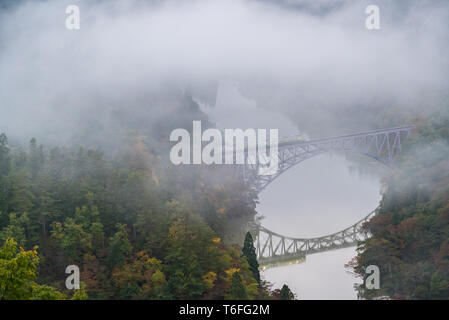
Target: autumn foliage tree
pixel 410 233
pixel 18 272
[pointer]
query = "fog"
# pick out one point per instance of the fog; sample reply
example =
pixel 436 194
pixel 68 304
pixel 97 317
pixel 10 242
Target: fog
pixel 305 58
pixel 320 196
pixel 295 65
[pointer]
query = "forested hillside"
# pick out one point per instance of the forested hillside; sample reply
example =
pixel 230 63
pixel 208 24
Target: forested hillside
pixel 137 226
pixel 410 242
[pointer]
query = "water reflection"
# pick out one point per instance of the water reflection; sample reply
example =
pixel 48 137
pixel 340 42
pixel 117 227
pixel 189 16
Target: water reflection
pixel 317 197
pixel 322 195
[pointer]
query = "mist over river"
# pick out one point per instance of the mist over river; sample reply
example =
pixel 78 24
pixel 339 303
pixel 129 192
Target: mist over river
pixel 112 111
pixel 322 195
pixel 318 197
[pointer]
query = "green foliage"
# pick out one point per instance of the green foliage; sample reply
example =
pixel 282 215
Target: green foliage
pixel 119 247
pixel 411 231
pixel 141 278
pixel 80 294
pixel 17 271
pixel 81 234
pixel 17 275
pixel 137 228
pixel 15 229
pixel 46 293
pixel 237 290
pixel 286 293
pixel 249 251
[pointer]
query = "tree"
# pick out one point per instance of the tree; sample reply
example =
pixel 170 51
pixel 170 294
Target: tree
pixel 36 158
pixel 15 229
pixel 237 290
pixel 119 247
pixel 80 294
pixel 187 257
pixel 77 207
pixel 17 274
pixel 81 234
pixel 286 293
pixel 4 155
pixel 409 234
pixel 46 293
pixel 141 278
pixel 250 253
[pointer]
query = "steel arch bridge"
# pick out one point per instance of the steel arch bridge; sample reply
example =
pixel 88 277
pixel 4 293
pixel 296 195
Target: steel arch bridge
pixel 273 249
pixel 381 145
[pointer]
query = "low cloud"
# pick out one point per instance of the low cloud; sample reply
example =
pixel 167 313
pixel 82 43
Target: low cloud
pixel 309 56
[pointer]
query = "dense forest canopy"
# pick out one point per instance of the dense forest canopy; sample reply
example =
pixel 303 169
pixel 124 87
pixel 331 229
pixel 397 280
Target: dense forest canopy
pixel 137 226
pixel 410 233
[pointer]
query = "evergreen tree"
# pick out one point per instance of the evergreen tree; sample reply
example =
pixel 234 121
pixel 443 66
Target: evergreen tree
pixel 4 155
pixel 250 253
pixel 237 290
pixel 120 246
pixel 286 293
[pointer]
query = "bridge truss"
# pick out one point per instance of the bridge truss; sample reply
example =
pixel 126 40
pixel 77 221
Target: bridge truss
pixel 381 145
pixel 273 249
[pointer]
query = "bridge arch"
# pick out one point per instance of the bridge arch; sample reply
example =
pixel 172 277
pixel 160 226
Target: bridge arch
pixel 274 177
pixel 273 248
pixel 380 145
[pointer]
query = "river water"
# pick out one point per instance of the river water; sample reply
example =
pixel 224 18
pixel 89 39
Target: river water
pixel 318 197
pixel 322 195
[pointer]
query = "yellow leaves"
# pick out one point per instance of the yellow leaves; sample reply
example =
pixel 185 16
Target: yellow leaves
pixel 17 270
pixel 209 279
pixel 143 272
pixel 176 231
pixel 231 271
pixel 158 279
pixel 216 240
pixel 154 263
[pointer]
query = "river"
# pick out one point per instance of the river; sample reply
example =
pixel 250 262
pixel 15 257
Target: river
pixel 318 197
pixel 322 195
